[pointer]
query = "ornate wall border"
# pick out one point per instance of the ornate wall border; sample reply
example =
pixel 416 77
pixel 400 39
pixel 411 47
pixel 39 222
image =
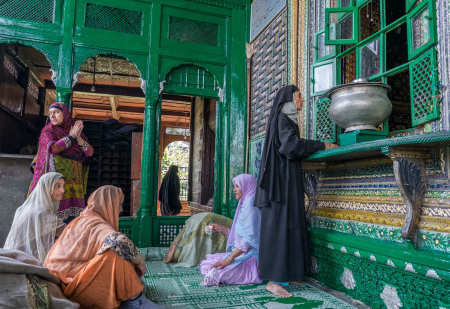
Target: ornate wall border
pixel 392 219
pixel 427 239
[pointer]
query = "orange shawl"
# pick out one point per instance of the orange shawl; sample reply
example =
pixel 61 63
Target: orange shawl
pixel 84 236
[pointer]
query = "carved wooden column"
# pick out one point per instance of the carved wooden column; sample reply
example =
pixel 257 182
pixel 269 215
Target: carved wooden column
pixel 311 182
pixel 311 189
pixel 409 172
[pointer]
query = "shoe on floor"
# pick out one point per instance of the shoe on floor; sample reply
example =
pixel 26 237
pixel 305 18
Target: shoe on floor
pixel 140 302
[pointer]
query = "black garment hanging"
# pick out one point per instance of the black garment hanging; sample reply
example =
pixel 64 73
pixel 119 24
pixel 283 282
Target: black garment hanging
pixel 169 193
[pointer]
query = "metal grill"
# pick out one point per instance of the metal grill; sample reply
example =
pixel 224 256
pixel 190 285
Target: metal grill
pixel 40 11
pixel 193 31
pixel 167 233
pixel 424 88
pixel 113 19
pixel 325 129
pixel 125 226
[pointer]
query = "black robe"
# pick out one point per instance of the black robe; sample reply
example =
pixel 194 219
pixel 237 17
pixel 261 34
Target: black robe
pixel 283 252
pixel 169 193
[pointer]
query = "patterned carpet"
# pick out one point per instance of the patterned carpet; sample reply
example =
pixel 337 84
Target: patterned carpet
pixel 179 287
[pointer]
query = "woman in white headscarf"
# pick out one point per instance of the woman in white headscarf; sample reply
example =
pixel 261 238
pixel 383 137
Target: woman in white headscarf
pixel 35 223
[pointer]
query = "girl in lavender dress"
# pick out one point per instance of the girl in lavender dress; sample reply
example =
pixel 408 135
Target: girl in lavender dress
pixel 239 264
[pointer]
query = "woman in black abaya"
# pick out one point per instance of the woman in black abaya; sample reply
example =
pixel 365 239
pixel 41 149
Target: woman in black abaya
pixel 283 253
pixel 169 193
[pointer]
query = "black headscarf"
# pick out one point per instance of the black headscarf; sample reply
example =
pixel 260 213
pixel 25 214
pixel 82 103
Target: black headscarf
pixel 268 171
pixel 169 193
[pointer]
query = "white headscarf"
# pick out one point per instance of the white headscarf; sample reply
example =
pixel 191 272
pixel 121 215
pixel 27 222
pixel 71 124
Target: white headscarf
pixel 290 109
pixel 35 222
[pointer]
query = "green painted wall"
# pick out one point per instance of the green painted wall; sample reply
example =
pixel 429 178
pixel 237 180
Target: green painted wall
pixel 68 32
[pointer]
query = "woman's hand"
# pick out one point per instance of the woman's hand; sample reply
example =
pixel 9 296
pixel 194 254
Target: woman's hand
pixel 140 266
pixel 330 146
pixel 219 228
pixel 76 129
pixel 141 269
pixel 224 263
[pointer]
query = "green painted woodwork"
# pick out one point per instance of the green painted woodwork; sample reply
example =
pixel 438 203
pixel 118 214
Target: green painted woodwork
pixel 382 146
pixel 434 242
pixel 113 19
pixel 36 11
pixel 410 4
pixel 189 30
pixel 64 95
pixel 217 22
pixel 424 88
pixel 165 229
pixel 324 127
pixel 421 37
pixel 421 28
pixel 337 32
pixel 322 50
pixel 359 136
pixel 83 28
pixel 323 76
pixel 401 254
pixel 191 79
pixel 126 226
pixel 380 273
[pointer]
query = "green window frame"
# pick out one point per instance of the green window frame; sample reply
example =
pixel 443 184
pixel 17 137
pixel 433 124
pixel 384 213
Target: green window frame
pixel 331 63
pixel 425 14
pixel 424 88
pixel 317 45
pixel 333 31
pixel 421 55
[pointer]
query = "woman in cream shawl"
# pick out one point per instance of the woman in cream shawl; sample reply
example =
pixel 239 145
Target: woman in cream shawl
pixel 35 223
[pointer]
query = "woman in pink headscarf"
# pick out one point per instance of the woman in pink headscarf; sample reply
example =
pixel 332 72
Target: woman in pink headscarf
pixel 239 264
pixel 64 148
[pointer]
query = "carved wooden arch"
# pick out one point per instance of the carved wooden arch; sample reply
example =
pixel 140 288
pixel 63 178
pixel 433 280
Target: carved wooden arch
pixel 191 78
pixel 49 51
pixel 85 54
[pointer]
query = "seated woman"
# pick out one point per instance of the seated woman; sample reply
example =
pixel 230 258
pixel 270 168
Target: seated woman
pixel 239 264
pixel 64 148
pixel 36 223
pixel 192 244
pixel 98 266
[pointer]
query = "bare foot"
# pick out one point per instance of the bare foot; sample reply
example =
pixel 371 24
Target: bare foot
pixel 277 289
pixel 168 258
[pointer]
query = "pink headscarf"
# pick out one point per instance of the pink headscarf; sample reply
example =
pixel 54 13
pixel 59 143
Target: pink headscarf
pixel 50 134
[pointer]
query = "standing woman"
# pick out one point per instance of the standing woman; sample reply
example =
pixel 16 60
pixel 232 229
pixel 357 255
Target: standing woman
pixel 64 148
pixel 283 251
pixel 36 223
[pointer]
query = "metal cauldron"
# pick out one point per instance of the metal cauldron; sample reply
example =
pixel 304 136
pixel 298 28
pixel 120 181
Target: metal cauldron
pixel 360 105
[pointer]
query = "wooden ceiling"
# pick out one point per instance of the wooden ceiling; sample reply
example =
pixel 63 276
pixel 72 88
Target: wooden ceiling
pixel 96 106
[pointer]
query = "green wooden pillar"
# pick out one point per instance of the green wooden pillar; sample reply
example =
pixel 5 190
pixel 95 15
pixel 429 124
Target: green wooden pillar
pixel 64 76
pixel 149 184
pixel 64 95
